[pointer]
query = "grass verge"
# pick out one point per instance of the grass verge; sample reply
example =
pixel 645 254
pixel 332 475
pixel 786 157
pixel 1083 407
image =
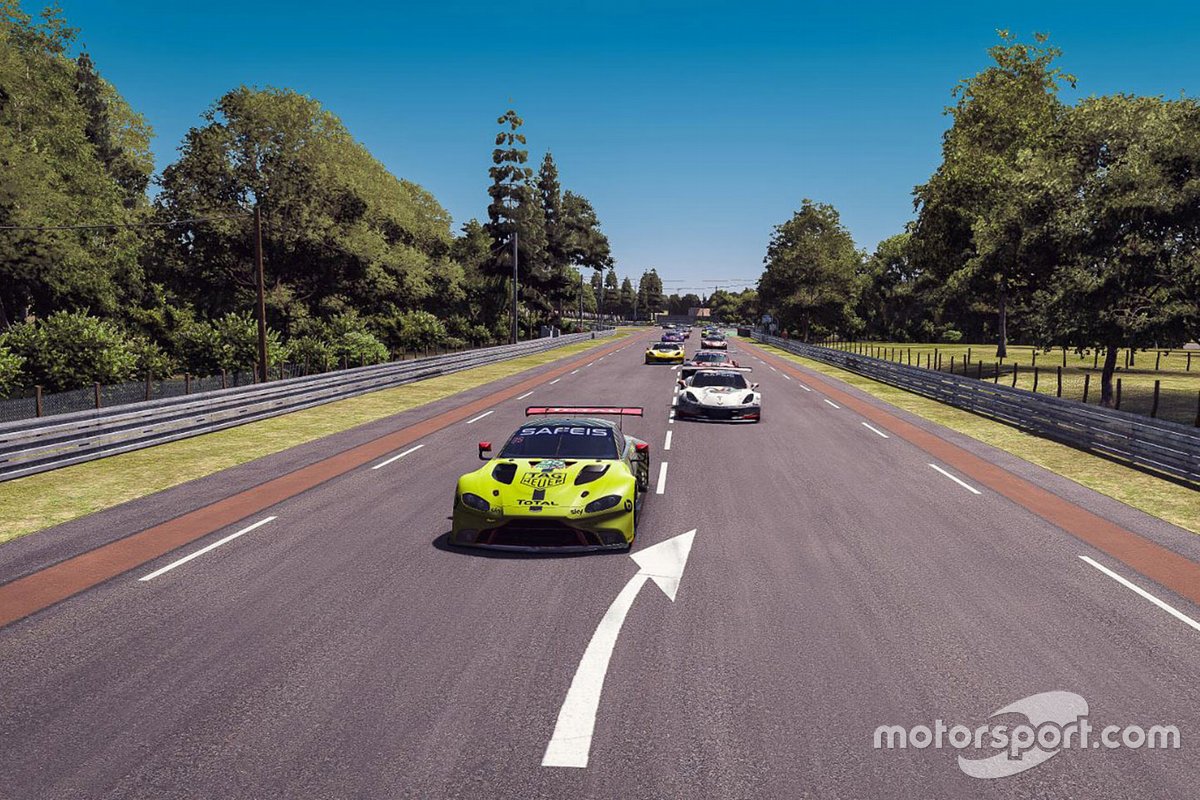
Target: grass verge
pixel 50 498
pixel 1168 501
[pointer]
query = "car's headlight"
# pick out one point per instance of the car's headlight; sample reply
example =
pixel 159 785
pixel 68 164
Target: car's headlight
pixel 748 399
pixel 691 398
pixel 602 503
pixel 476 502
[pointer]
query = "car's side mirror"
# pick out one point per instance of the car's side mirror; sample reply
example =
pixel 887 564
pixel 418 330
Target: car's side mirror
pixel 754 386
pixel 485 451
pixel 682 383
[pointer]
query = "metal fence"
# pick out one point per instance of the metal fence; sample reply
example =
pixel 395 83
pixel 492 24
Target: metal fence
pixel 35 445
pixel 1160 445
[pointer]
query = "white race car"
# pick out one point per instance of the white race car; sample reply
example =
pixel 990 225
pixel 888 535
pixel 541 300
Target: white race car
pixel 719 393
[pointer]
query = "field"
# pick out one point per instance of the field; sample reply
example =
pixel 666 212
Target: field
pixel 1177 372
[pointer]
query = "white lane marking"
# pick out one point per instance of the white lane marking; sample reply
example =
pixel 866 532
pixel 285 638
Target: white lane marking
pixel 662 478
pixel 396 458
pixel 966 486
pixel 556 380
pixel 805 388
pixel 1174 612
pixel 571 741
pixel 827 400
pixel 772 368
pixel 481 416
pixel 204 550
pixel 522 397
pixel 667 443
pixel 601 358
pixel 574 371
pixel 786 376
pixel 876 430
pixel 674 368
pixel 589 363
pixel 675 400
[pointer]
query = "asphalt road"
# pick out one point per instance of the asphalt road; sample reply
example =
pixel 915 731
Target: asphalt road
pixel 837 582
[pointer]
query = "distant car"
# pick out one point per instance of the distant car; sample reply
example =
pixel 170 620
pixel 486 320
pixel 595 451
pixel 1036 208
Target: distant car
pixel 673 336
pixel 705 358
pixel 714 341
pixel 565 485
pixel 665 353
pixel 719 393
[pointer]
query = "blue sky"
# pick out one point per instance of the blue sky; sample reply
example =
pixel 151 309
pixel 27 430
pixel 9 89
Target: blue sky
pixel 693 127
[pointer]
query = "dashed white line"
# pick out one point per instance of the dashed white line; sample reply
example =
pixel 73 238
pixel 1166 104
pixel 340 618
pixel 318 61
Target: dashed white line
pixel 397 457
pixel 772 368
pixel 667 443
pixel 876 430
pixel 522 397
pixel 1174 612
pixel 662 478
pixel 961 483
pixel 574 371
pixel 589 363
pixel 805 388
pixel 830 402
pixel 481 416
pixel 556 380
pixel 786 376
pixel 204 550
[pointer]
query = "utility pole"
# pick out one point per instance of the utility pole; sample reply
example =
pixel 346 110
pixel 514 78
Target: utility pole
pixel 515 328
pixel 262 303
pixel 581 301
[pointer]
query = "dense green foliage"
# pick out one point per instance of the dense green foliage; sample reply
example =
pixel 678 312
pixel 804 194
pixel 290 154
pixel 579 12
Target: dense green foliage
pixel 1060 225
pixel 359 264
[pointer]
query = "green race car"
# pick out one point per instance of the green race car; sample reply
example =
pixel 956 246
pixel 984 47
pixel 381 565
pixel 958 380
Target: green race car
pixel 566 485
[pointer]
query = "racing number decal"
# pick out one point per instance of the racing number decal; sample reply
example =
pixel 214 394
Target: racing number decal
pixel 544 480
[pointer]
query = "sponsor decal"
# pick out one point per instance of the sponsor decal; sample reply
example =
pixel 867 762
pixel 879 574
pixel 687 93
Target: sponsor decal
pixel 544 480
pixel 561 430
pixel 535 503
pixel 547 473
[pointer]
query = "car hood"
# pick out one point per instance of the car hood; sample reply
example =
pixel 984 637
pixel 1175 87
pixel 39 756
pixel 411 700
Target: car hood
pixel 547 482
pixel 720 395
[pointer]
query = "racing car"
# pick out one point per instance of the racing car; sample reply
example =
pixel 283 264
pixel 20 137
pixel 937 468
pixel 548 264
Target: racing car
pixel 719 393
pixel 664 353
pixel 564 485
pixel 672 336
pixel 714 341
pixel 706 358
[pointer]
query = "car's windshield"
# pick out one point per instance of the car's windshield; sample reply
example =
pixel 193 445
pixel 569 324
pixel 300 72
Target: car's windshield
pixel 730 379
pixel 553 440
pixel 665 346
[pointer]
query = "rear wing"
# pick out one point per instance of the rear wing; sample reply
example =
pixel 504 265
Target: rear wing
pixel 618 411
pixel 718 368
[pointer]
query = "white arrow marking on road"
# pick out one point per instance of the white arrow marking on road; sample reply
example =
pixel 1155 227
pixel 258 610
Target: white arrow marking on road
pixel 662 563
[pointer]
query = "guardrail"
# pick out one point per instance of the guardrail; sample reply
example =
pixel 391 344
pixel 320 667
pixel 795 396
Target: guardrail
pixel 37 445
pixel 1159 445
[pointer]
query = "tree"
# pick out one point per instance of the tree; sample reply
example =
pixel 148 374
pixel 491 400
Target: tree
pixel 651 286
pixel 558 235
pixel 810 276
pixel 1126 223
pixel 340 231
pixel 53 176
pixel 610 297
pixel 628 298
pixel 981 215
pixel 894 295
pixel 68 350
pixel 515 212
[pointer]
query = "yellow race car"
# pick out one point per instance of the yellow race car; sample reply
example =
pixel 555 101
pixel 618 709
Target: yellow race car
pixel 665 353
pixel 567 485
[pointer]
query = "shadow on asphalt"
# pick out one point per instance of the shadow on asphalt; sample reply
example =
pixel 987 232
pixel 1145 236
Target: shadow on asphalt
pixel 442 543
